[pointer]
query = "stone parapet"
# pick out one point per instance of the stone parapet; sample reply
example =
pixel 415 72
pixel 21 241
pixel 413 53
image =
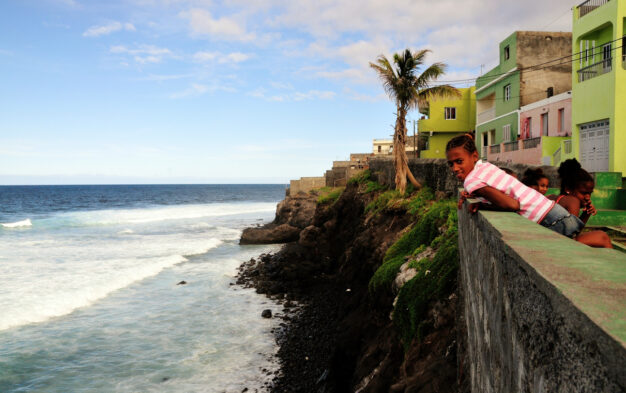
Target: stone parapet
pixel 542 313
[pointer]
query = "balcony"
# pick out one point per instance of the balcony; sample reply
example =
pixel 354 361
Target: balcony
pixel 590 5
pixel 485 116
pixel 597 69
pixel 494 149
pixel 511 146
pixel 531 143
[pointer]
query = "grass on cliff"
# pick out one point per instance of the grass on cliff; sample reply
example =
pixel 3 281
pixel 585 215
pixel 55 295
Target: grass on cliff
pixel 329 195
pixel 365 178
pixel 436 227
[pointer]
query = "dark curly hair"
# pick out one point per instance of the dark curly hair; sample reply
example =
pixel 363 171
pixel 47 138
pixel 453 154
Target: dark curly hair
pixel 572 174
pixel 532 176
pixel 466 141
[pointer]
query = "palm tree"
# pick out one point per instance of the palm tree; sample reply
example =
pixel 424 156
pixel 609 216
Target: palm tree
pixel 409 91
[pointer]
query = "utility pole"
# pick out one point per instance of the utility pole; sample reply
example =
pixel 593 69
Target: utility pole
pixel 415 147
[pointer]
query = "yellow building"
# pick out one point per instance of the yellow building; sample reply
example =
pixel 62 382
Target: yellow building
pixel 446 118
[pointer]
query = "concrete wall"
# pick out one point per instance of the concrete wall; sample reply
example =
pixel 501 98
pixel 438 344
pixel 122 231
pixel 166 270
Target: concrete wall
pixel 542 313
pixel 306 184
pixel 536 47
pixel 435 173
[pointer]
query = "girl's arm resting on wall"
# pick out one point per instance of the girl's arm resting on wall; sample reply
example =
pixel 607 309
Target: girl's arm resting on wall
pixel 499 200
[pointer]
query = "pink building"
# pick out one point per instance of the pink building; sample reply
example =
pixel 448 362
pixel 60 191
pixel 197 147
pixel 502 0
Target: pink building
pixel 544 133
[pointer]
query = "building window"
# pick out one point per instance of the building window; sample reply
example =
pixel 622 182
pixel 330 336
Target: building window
pixel 507 92
pixel 450 113
pixel 506 133
pixel 561 120
pixel 507 53
pixel 380 148
pixel 544 124
pixel 606 55
pixel 530 127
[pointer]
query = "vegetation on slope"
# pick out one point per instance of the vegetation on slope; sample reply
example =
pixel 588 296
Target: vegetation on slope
pixel 435 228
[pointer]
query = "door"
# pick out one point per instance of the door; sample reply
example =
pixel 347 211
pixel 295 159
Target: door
pixel 594 146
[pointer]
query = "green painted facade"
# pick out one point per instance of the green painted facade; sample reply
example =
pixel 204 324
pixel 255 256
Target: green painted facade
pixel 440 130
pixel 603 96
pixel 490 92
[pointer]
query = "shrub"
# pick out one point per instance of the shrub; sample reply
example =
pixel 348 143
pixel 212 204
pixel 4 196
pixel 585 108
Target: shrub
pixel 418 203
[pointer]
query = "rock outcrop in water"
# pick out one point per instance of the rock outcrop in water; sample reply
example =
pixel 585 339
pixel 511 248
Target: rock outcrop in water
pixel 343 339
pixel 293 214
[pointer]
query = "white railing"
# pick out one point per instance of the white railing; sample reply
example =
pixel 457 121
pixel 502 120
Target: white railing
pixel 597 69
pixel 494 149
pixel 556 157
pixel 485 151
pixel 567 146
pixel 590 5
pixel 485 116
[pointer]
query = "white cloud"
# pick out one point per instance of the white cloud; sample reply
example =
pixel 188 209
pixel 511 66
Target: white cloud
pixel 197 89
pixel 97 31
pixel 293 95
pixel 201 22
pixel 143 54
pixel 234 57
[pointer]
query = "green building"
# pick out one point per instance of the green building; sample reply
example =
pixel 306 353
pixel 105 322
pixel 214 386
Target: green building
pixel 447 118
pixel 599 85
pixel 516 82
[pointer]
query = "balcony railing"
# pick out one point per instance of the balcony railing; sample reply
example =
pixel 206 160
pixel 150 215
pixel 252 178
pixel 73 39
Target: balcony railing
pixel 485 150
pixel 594 70
pixel 532 143
pixel 494 149
pixel 567 146
pixel 511 146
pixel 556 157
pixel 589 6
pixel 485 116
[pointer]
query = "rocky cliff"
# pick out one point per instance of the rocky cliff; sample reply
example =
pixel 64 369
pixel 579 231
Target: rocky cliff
pixel 362 252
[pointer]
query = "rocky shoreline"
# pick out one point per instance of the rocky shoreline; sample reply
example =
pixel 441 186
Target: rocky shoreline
pixel 335 336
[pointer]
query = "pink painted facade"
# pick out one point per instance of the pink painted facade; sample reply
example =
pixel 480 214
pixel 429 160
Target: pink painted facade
pixel 554 113
pixel 550 117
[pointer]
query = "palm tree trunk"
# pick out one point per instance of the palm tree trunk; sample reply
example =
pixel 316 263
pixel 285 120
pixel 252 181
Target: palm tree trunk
pixel 401 162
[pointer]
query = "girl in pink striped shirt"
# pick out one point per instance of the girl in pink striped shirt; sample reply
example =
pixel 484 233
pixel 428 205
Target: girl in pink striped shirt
pixel 499 191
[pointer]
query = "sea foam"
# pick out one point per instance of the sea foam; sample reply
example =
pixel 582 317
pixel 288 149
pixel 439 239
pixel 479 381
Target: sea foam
pixel 18 224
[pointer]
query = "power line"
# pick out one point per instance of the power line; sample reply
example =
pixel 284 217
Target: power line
pixel 537 67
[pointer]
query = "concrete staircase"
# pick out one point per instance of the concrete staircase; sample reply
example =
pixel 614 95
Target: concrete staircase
pixel 609 198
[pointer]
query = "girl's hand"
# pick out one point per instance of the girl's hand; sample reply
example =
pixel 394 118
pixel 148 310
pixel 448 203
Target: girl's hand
pixel 590 209
pixel 473 207
pixel 462 197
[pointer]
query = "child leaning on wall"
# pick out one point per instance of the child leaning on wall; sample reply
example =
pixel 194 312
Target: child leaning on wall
pixel 498 191
pixel 536 179
pixel 576 188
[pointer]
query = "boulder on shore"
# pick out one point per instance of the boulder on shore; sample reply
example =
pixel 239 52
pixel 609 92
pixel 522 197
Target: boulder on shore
pixel 270 234
pixel 293 214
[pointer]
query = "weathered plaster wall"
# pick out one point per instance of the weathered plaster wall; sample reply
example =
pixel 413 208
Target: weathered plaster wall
pixel 543 313
pixel 434 173
pixel 306 184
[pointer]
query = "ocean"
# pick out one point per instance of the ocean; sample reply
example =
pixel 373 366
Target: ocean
pixel 89 300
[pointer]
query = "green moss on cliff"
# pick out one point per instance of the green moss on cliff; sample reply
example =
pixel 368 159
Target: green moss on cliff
pixel 329 195
pixel 423 233
pixel 436 275
pixel 435 279
pixel 361 178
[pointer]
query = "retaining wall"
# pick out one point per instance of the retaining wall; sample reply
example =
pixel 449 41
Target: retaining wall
pixel 306 184
pixel 543 313
pixel 434 173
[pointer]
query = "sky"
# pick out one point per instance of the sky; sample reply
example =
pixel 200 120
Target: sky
pixel 233 91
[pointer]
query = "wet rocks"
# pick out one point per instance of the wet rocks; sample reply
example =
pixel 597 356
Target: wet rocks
pixel 266 313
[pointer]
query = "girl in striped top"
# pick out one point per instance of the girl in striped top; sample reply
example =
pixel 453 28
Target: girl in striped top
pixel 499 191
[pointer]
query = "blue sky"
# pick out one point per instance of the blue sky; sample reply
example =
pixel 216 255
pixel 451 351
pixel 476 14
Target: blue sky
pixel 207 91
